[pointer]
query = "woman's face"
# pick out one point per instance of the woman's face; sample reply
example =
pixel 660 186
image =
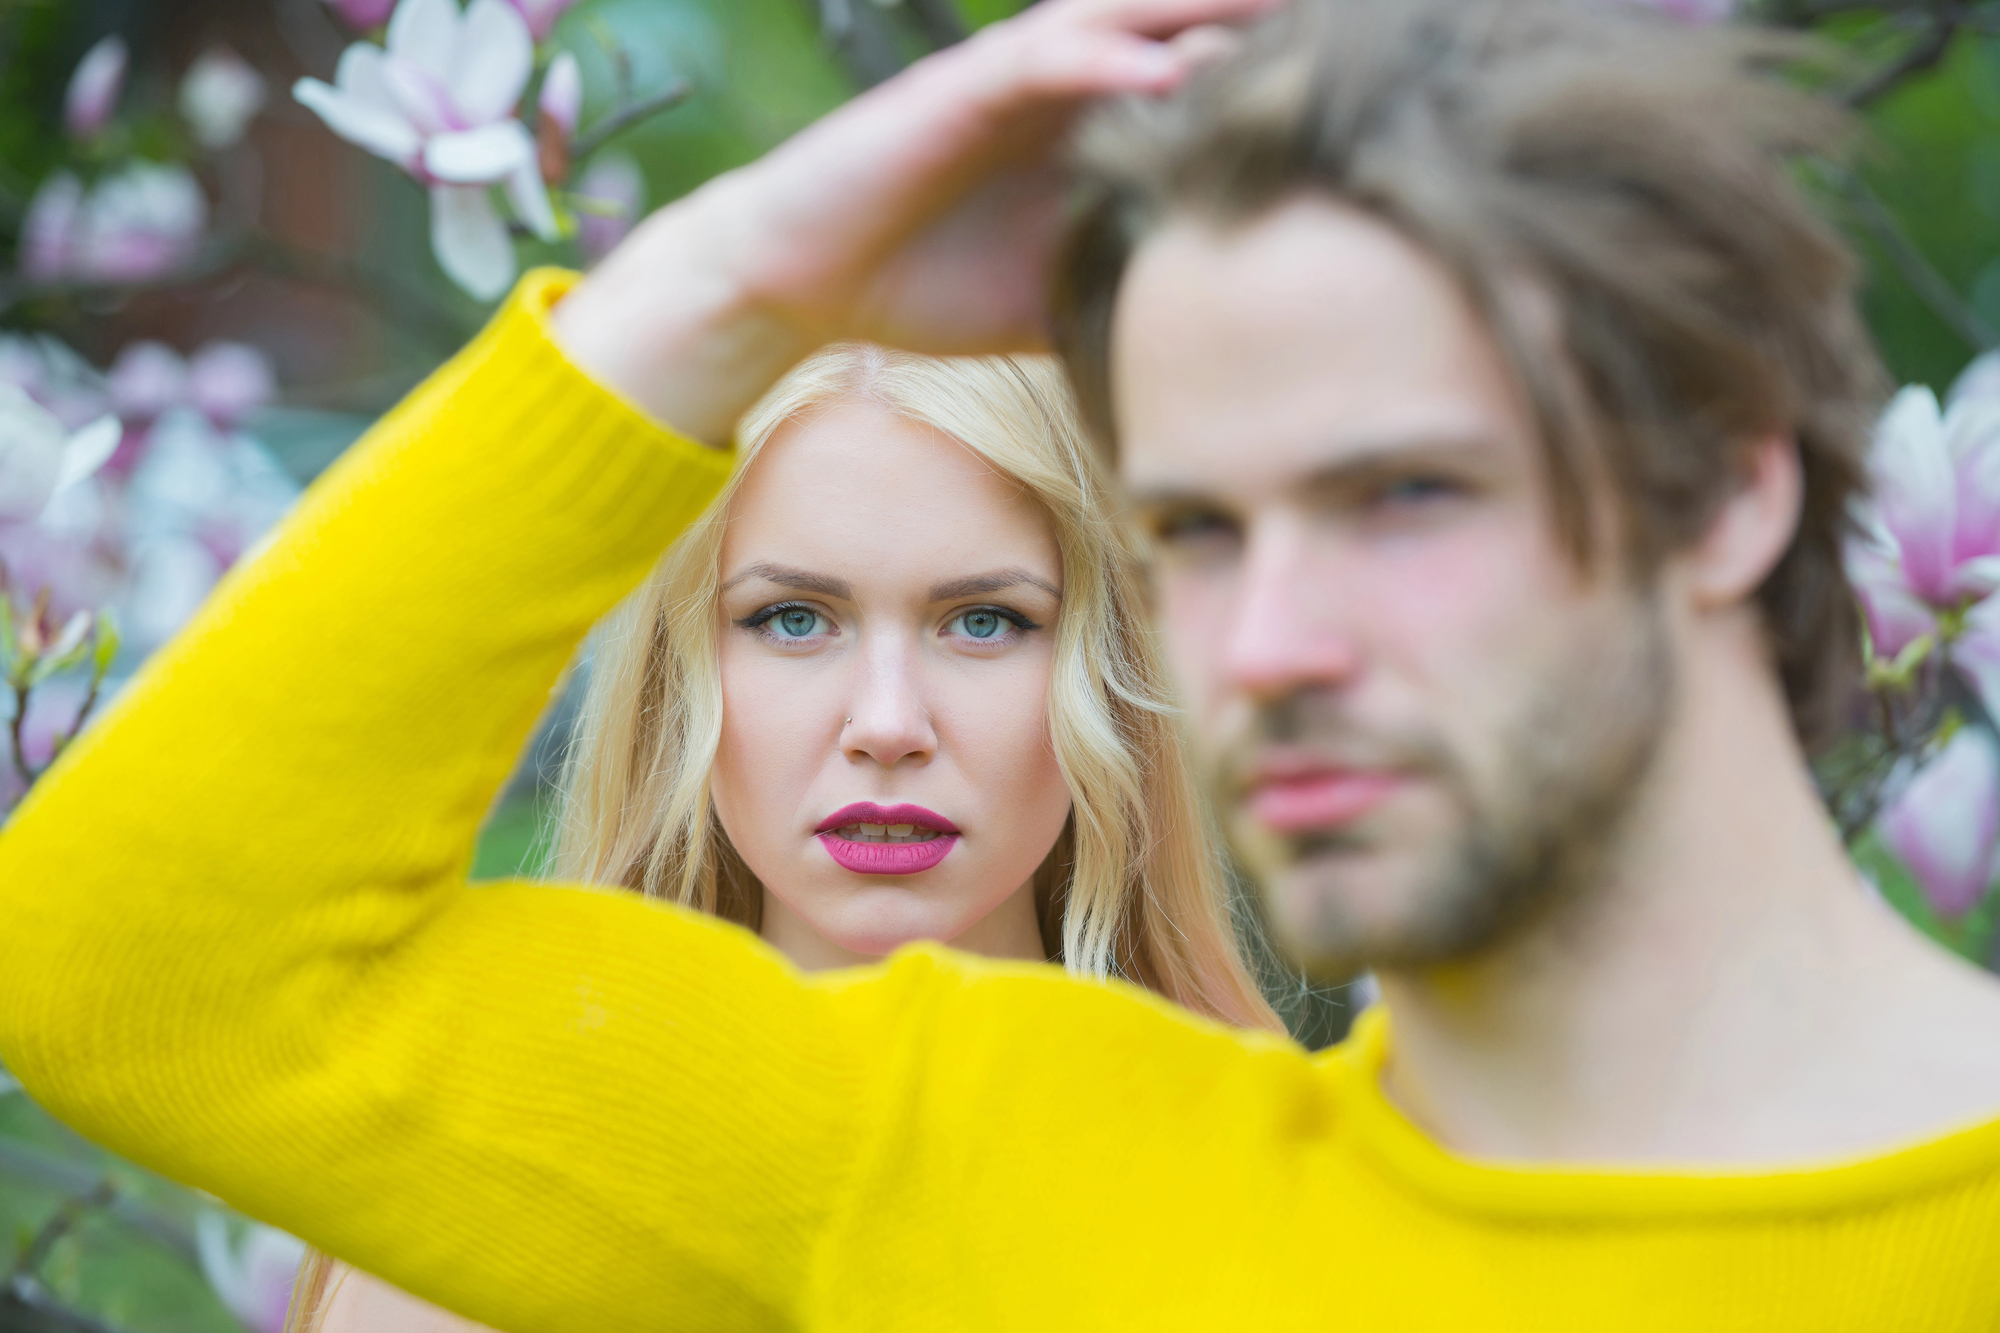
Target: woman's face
pixel 887 630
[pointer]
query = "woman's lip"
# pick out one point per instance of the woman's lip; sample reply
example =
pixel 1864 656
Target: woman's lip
pixel 1319 800
pixel 887 858
pixel 867 812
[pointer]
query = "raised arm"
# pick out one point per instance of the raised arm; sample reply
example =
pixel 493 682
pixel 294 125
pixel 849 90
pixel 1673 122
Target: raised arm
pixel 235 938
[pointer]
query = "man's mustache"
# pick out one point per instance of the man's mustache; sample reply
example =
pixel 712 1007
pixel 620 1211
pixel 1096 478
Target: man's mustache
pixel 1307 731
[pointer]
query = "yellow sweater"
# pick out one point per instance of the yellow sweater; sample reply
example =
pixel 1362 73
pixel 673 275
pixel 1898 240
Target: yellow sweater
pixel 236 943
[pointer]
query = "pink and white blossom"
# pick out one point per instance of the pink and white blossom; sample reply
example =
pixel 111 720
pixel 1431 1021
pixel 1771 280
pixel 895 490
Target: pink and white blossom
pixel 133 225
pixel 439 101
pixel 219 96
pixel 562 93
pixel 40 458
pixel 611 196
pixel 93 91
pixel 138 223
pixel 253 1276
pixel 541 15
pixel 1931 540
pixel 48 232
pixel 1944 825
pixel 362 15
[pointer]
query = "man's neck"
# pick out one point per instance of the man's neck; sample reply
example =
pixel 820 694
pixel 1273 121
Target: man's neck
pixel 1730 993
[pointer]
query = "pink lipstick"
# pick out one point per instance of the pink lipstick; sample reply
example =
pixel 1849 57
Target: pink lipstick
pixel 871 839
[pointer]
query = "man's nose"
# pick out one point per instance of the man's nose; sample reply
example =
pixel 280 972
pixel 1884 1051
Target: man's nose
pixel 1290 630
pixel 887 720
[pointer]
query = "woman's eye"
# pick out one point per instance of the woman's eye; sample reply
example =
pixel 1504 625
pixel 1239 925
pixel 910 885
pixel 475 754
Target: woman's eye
pixel 986 623
pixel 795 623
pixel 1418 490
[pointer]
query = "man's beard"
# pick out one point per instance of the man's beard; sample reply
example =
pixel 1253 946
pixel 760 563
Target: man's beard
pixel 1533 834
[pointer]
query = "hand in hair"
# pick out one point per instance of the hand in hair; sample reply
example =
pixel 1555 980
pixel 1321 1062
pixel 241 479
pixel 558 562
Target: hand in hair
pixel 922 214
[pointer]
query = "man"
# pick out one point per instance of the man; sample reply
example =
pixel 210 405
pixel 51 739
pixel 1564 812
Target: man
pixel 1492 403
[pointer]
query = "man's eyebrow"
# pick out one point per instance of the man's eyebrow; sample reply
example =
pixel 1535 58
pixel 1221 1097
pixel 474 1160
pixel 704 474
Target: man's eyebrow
pixel 997 581
pixel 786 576
pixel 1354 467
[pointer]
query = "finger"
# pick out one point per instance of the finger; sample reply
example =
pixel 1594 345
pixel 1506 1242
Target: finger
pixel 1206 44
pixel 1156 18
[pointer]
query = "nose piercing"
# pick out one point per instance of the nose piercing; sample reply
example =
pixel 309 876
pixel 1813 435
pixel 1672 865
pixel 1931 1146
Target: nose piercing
pixel 848 722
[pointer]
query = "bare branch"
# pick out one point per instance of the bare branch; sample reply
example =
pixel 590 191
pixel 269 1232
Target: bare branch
pixel 1932 286
pixel 75 1178
pixel 625 117
pixel 1923 54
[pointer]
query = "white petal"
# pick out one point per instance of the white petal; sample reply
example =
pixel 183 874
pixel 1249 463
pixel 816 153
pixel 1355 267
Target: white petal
pixel 425 33
pixel 470 240
pixel 88 450
pixel 484 156
pixel 495 56
pixel 362 74
pixel 1915 488
pixel 561 99
pixel 31 447
pixel 530 199
pixel 381 131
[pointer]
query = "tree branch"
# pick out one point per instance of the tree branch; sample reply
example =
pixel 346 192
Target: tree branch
pixel 74 1178
pixel 625 117
pixel 939 21
pixel 1929 284
pixel 1923 54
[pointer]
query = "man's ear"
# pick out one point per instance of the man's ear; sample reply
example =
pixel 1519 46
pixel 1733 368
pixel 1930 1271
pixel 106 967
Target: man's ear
pixel 1752 530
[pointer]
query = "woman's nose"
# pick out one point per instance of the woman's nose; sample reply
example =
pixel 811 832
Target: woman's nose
pixel 887 719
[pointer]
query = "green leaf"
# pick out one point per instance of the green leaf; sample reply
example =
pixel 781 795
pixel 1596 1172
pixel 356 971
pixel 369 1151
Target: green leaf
pixel 107 645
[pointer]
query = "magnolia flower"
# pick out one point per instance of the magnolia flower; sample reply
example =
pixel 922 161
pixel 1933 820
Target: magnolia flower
pixel 440 103
pixel 132 226
pixel 39 459
pixel 220 95
pixel 1932 536
pixel 48 232
pixel 562 93
pixel 541 15
pixel 253 1278
pixel 138 223
pixel 610 198
pixel 1945 823
pixel 94 88
pixel 224 381
pixel 362 15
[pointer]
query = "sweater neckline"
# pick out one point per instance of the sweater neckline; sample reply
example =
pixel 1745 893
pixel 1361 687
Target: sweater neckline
pixel 1525 1190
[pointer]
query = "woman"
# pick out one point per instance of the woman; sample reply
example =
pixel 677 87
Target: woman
pixel 959 654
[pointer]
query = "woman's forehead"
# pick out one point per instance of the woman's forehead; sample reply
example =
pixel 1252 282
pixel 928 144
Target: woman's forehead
pixel 856 491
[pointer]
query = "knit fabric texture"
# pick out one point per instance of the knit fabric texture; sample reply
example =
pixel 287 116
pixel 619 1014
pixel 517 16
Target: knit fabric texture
pixel 237 944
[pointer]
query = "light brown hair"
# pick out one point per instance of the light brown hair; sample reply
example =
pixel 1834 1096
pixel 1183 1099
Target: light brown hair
pixel 1630 172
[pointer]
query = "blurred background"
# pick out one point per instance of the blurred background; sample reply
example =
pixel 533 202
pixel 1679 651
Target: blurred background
pixel 228 251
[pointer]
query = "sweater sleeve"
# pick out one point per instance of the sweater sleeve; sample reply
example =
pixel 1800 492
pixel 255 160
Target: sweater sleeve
pixel 237 944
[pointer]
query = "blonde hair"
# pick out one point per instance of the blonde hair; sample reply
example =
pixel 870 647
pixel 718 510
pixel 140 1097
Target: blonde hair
pixel 1134 886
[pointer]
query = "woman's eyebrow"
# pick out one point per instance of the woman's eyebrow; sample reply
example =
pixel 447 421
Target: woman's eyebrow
pixel 785 576
pixel 996 581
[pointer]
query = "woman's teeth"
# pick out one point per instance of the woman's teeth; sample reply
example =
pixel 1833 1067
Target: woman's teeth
pixel 886 833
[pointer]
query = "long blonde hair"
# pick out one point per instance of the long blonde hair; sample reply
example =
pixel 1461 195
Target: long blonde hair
pixel 1133 888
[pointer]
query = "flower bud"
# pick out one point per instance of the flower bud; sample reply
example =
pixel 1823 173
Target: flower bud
pixel 94 88
pixel 219 97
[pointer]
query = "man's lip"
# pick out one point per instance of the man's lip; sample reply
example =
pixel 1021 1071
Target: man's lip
pixel 867 812
pixel 1296 799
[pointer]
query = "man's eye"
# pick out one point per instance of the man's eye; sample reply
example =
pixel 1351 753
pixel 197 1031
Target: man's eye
pixel 1418 490
pixel 1192 527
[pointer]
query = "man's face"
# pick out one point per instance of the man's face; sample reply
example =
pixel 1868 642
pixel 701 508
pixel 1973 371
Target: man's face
pixel 1424 719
